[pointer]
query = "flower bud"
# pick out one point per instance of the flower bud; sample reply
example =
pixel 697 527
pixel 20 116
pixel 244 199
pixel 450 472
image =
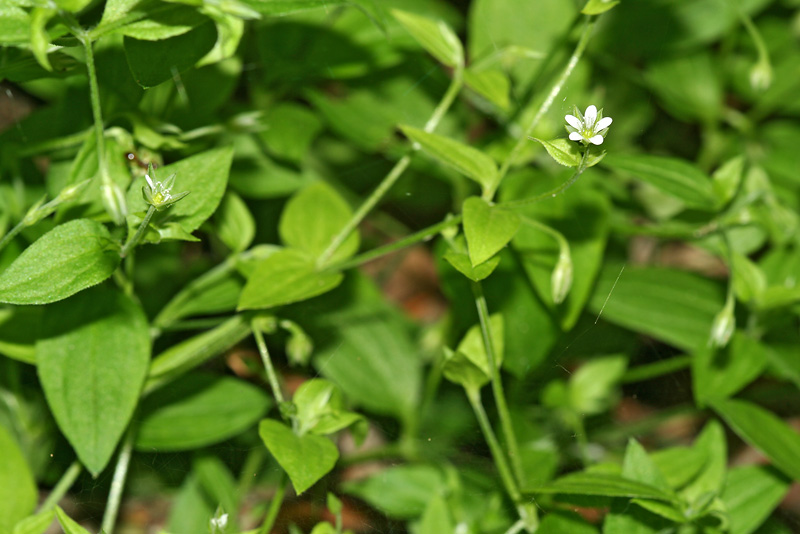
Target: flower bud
pixel 723 326
pixel 561 279
pixel 761 76
pixel 114 202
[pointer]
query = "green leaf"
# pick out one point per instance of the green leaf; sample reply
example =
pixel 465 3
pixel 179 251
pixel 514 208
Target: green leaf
pixel 596 7
pixel 72 5
pixel 436 519
pixel 720 373
pixel 286 276
pixel 491 84
pixel 679 465
pixel 603 484
pixel 154 62
pixel 566 152
pixel 288 7
pixel 459 369
pixel 473 348
pixel 712 444
pixel 487 228
pixel 219 485
pixel 435 36
pixel 189 354
pixel 15 24
pixel 92 391
pixel 292 128
pixel 727 178
pixel 35 524
pixel 196 410
pixel 764 431
pixel 673 306
pixel 750 494
pixel 313 234
pixel 169 21
pixel 68 524
pixel 40 40
pixel 320 408
pixel 463 265
pixel 469 161
pixel 306 459
pixel 17 487
pixel 19 330
pixel 69 258
pixel 673 176
pixel 400 492
pixel 191 508
pixel 688 85
pixel 593 386
pixel 204 175
pixel 235 224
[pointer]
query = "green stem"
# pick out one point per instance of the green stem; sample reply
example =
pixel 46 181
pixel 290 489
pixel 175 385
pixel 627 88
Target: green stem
pixel 132 242
pixel 272 377
pixel 514 204
pixel 394 174
pixel 252 463
pixel 573 61
pixel 62 487
pixel 274 507
pixel 6 239
pixel 516 527
pixel 417 237
pixel 656 369
pixel 118 481
pixel 474 396
pixel 497 383
pixel 94 94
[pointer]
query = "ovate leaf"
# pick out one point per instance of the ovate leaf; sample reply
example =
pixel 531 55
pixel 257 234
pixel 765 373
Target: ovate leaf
pixel 469 161
pixel 313 217
pixel 196 410
pixel 286 276
pixel 765 431
pixel 67 259
pixel 69 525
pixel 235 224
pixel 720 373
pixel 92 362
pixel 463 265
pixel 487 228
pixel 750 494
pixel 17 487
pixel 306 459
pixel 566 153
pixel 35 524
pixel 435 36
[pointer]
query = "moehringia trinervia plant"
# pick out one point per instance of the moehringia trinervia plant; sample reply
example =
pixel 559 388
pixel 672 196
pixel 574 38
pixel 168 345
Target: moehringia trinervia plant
pixel 589 127
pixel 158 197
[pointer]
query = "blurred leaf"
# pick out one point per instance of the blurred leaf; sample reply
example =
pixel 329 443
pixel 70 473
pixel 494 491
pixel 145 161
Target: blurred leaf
pixel 436 518
pixel 403 491
pixel 313 235
pixel 712 444
pixel 35 524
pixel 467 160
pixel 68 524
pixel 671 175
pixel 154 62
pixel 235 224
pixel 291 128
pixel 191 508
pixel 493 85
pixel 72 5
pixel 764 431
pixel 597 7
pixel 19 330
pixel 435 36
pixel 688 85
pixel 288 7
pixel 679 465
pixel 40 40
pixel 721 373
pixel 17 486
pixel 674 306
pixel 91 394
pixel 15 24
pixel 592 387
pixel 603 484
pixel 487 228
pixel 459 369
pixel 286 276
pixel 750 494
pixel 197 410
pixel 216 480
pixel 564 522
pixel 305 458
pixel 67 259
pixel 727 179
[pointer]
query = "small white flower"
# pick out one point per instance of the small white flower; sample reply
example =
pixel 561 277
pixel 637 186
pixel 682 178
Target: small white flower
pixel 157 194
pixel 591 127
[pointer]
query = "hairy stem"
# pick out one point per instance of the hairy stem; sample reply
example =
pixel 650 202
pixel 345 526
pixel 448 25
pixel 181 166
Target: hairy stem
pixel 132 242
pixel 272 377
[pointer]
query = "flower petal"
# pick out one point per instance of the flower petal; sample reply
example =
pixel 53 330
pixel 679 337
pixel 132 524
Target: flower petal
pixel 575 136
pixel 574 121
pixel 596 140
pixel 149 181
pixel 603 123
pixel 590 116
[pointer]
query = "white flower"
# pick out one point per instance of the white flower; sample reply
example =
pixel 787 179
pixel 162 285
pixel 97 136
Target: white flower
pixel 157 194
pixel 590 127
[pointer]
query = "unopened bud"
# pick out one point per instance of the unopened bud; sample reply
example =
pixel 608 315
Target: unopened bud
pixel 299 346
pixel 723 326
pixel 114 202
pixel 761 76
pixel 561 279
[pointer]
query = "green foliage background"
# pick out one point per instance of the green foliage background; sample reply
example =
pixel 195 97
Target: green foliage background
pixel 235 358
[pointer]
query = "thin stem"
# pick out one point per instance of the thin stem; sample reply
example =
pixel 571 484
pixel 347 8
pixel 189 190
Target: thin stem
pixel 553 192
pixel 516 527
pixel 6 239
pixel 394 174
pixel 94 93
pixel 573 61
pixel 274 507
pixel 272 377
pixel 498 455
pixel 252 463
pixel 118 481
pixel 656 369
pixel 417 237
pixel 497 383
pixel 62 487
pixel 132 242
